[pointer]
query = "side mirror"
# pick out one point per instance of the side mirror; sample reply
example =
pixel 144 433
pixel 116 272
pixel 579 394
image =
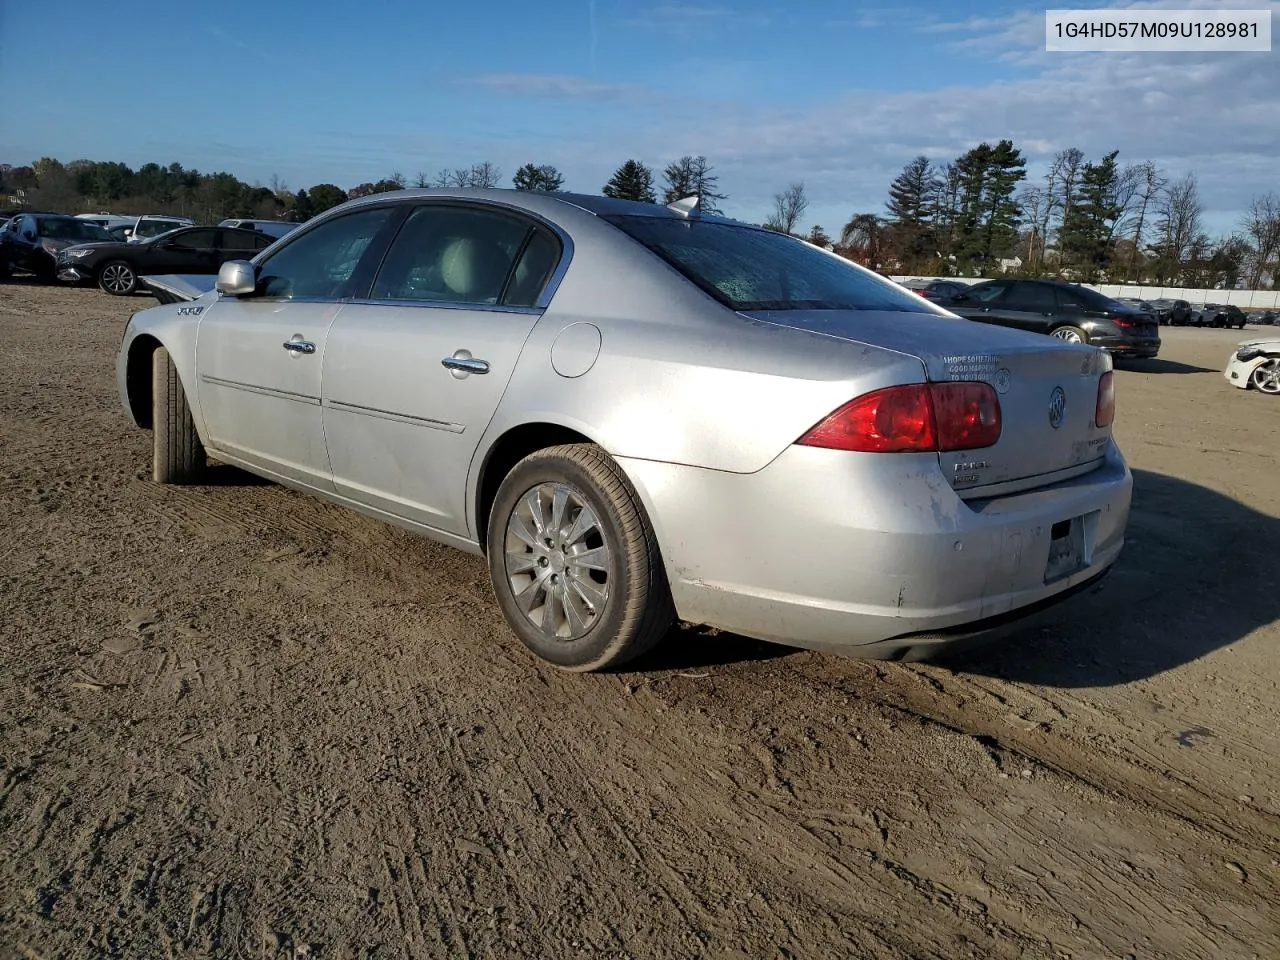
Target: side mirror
pixel 236 278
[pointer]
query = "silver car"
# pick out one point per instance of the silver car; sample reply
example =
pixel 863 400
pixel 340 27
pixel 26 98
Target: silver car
pixel 638 413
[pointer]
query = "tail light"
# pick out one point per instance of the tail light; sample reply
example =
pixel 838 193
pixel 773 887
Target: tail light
pixel 1122 321
pixel 917 417
pixel 1105 413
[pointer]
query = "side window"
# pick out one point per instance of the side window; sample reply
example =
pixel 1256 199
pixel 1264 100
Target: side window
pixel 988 292
pixel 262 241
pixel 539 259
pixel 237 241
pixel 195 240
pixel 321 263
pixel 1035 296
pixel 451 255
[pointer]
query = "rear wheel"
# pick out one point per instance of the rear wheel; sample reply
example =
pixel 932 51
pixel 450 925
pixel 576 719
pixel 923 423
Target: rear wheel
pixel 1070 334
pixel 177 455
pixel 574 561
pixel 118 278
pixel 1266 377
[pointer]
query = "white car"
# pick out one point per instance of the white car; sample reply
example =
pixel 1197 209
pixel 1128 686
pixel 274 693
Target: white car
pixel 1255 363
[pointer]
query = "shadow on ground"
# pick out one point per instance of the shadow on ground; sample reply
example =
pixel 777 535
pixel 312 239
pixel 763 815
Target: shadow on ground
pixel 1160 366
pixel 1199 572
pixel 225 475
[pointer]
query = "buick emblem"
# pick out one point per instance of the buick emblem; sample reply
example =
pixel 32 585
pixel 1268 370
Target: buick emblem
pixel 1057 407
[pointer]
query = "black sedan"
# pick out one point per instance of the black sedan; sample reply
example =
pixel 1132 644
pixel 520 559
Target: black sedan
pixel 1220 315
pixel 116 266
pixel 32 241
pixel 1067 311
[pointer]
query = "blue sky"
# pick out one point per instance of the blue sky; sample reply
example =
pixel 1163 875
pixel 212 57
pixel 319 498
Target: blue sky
pixel 836 95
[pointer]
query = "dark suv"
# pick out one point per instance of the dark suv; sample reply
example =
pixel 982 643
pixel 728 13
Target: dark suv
pixel 1067 311
pixel 1174 313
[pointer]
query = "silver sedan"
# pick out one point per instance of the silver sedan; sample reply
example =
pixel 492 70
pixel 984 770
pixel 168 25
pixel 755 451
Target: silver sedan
pixel 639 413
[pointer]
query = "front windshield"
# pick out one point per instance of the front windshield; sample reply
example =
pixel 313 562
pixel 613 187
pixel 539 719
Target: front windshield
pixel 747 268
pixel 72 229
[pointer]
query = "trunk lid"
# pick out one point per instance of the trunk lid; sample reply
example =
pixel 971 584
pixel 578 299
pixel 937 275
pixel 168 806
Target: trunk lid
pixel 1048 390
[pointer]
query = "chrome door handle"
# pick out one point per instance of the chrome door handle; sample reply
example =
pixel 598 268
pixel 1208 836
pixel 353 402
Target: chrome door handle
pixel 465 364
pixel 299 346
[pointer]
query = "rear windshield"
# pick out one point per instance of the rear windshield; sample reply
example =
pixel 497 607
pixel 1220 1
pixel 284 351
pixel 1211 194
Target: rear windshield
pixel 746 268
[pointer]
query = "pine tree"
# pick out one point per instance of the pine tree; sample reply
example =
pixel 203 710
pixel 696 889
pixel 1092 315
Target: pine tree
pixel 542 178
pixel 913 203
pixel 1085 236
pixel 631 181
pixel 987 222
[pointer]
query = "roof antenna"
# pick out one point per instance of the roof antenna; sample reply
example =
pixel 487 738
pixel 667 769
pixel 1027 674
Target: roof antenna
pixel 685 206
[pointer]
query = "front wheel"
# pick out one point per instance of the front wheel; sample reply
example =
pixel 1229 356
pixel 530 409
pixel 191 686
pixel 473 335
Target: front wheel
pixel 118 278
pixel 177 455
pixel 1070 334
pixel 574 561
pixel 1266 377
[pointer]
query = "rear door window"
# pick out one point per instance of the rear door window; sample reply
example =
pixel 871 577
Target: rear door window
pixel 452 254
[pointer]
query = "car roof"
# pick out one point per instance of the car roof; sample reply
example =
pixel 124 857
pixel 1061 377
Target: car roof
pixel 536 201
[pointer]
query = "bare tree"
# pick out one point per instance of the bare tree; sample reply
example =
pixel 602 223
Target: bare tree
pixel 398 179
pixel 1148 183
pixel 421 180
pixel 1179 226
pixel 1060 188
pixel 1262 224
pixel 479 175
pixel 1034 202
pixel 788 207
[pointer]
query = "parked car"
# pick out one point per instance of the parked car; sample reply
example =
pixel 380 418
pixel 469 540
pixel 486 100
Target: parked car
pixel 32 241
pixel 1264 318
pixel 1170 312
pixel 1255 363
pixel 1220 315
pixel 273 228
pixel 638 413
pixel 116 266
pixel 152 225
pixel 936 291
pixel 1063 310
pixel 1142 306
pixel 109 221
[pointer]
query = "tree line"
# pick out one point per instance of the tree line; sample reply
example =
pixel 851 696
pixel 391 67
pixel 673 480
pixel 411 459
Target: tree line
pixel 1089 220
pixel 1086 219
pixel 90 185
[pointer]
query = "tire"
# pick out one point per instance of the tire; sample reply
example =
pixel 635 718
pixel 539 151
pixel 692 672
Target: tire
pixel 117 278
pixel 6 271
pixel 1069 334
pixel 177 455
pixel 633 601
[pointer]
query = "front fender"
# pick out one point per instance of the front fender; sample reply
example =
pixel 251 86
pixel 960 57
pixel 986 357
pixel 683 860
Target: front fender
pixel 172 326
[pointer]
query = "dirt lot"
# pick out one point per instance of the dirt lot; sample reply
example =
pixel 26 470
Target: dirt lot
pixel 238 722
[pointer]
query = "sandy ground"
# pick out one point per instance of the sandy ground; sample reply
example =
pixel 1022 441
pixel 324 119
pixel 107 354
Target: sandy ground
pixel 238 722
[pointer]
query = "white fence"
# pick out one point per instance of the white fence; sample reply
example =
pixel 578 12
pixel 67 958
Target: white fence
pixel 1245 299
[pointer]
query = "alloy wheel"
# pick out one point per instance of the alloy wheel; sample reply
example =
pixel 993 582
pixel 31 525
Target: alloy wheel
pixel 557 561
pixel 1266 377
pixel 117 278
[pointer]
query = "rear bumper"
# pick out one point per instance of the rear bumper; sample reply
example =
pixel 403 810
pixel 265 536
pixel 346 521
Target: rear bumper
pixel 871 555
pixel 1144 347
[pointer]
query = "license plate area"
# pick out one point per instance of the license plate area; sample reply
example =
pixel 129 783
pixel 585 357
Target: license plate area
pixel 1067 554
